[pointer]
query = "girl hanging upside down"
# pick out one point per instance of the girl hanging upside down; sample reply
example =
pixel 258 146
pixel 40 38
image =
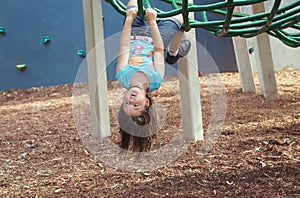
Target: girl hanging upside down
pixel 140 69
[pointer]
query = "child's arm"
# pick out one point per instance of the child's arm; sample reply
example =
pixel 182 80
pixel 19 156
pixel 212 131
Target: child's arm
pixel 124 47
pixel 157 42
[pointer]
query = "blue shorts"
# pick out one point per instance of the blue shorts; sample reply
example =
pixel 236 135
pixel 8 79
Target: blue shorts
pixel 167 28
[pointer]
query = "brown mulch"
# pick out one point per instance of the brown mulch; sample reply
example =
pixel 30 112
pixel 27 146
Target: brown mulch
pixel 257 153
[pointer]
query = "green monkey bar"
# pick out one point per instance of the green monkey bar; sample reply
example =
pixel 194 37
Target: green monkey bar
pixel 282 23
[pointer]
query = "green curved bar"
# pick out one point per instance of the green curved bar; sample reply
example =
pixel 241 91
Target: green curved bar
pixel 147 4
pixel 174 5
pixel 118 6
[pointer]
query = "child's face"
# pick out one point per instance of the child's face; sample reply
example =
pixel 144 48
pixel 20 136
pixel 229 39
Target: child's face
pixel 135 101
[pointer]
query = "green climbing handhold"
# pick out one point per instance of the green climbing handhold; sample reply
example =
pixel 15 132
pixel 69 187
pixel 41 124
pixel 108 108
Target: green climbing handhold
pixel 81 53
pixel 2 30
pixel 46 39
pixel 251 50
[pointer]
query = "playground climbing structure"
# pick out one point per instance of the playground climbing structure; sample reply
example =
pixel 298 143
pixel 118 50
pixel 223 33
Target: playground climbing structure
pixel 275 22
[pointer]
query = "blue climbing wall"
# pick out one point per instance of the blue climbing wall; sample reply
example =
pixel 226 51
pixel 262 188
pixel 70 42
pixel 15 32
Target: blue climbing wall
pixel 26 22
pixel 220 49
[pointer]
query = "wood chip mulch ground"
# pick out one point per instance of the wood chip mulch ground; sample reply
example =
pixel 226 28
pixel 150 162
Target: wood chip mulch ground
pixel 257 152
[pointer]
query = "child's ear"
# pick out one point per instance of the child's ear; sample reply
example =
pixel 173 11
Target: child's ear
pixel 147 102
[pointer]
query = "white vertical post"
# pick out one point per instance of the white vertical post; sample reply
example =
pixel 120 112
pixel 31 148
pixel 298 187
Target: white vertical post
pixel 264 61
pixel 96 67
pixel 190 91
pixel 243 62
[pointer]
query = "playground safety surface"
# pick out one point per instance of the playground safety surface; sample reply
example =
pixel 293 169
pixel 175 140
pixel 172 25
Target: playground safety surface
pixel 256 155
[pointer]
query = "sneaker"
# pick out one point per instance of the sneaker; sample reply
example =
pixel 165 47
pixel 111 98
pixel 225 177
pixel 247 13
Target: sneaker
pixel 184 48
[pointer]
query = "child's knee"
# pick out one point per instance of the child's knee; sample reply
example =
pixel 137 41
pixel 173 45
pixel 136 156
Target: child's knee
pixel 179 17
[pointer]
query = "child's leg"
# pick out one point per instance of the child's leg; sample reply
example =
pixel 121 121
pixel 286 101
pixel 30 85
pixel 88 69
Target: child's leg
pixel 178 47
pixel 175 42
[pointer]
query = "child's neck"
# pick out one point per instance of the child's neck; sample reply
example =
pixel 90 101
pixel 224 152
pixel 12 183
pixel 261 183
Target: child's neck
pixel 141 80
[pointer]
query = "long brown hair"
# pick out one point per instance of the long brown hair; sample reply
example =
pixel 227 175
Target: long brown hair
pixel 140 129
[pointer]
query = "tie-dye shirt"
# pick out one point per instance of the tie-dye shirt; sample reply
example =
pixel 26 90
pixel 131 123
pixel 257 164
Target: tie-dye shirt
pixel 140 60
